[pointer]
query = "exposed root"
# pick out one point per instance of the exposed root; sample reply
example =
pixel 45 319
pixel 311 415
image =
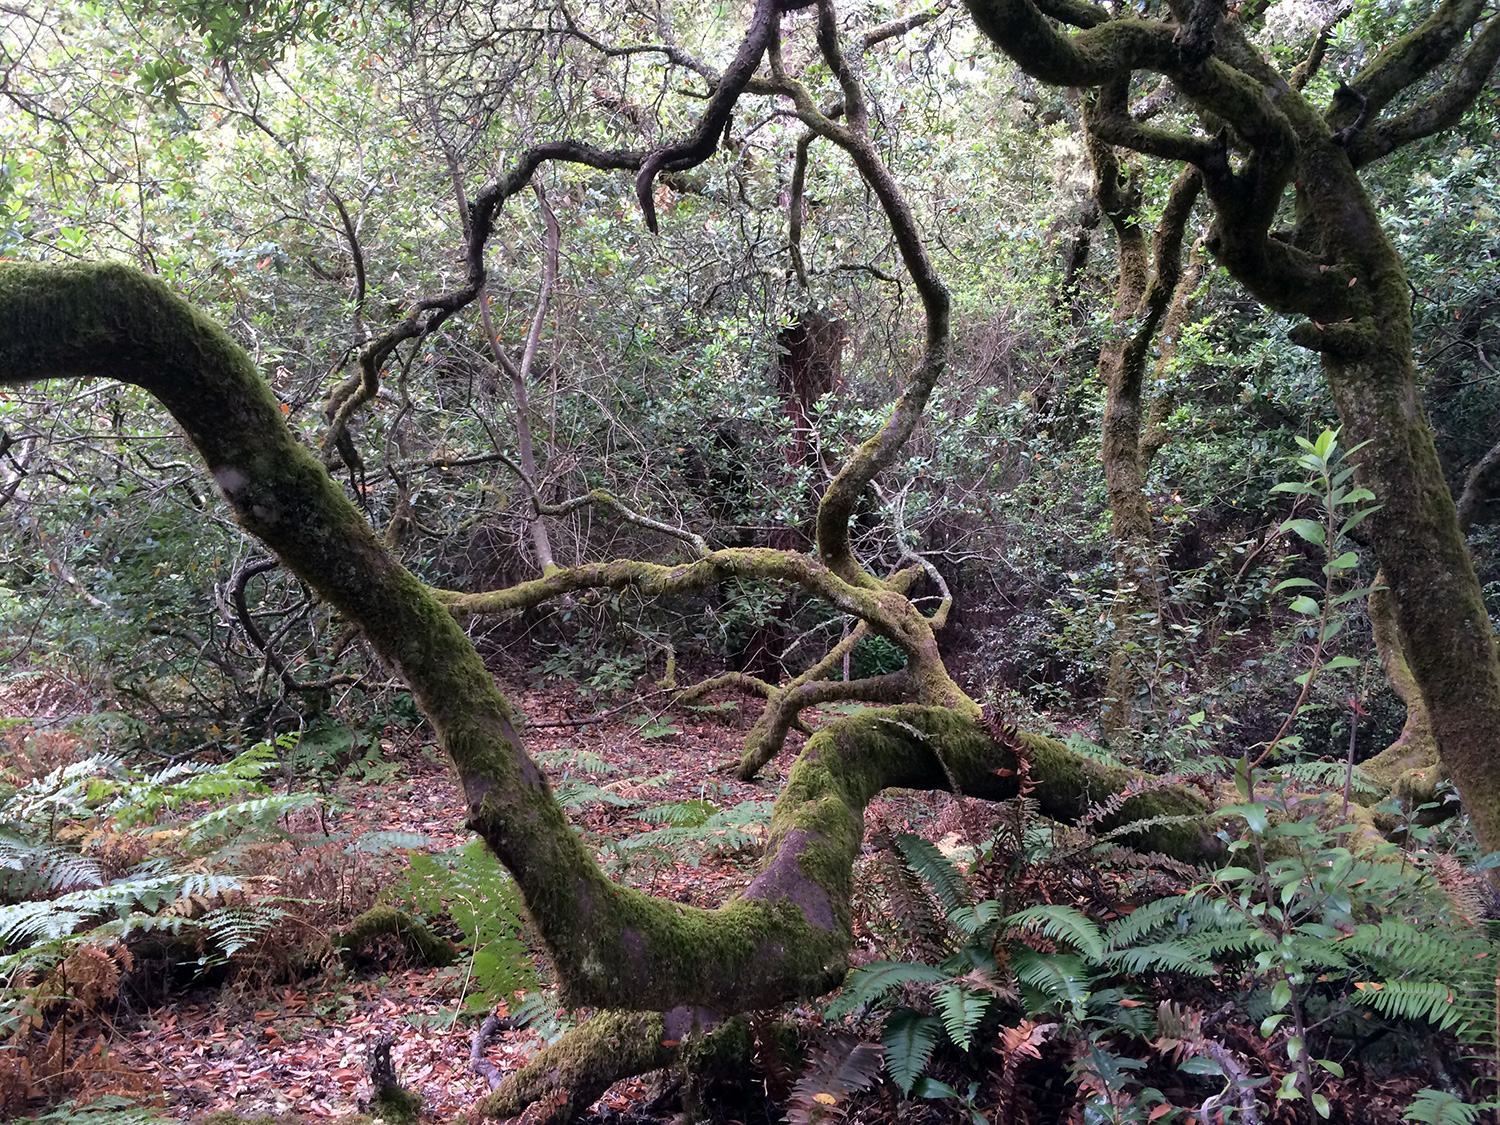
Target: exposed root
pixel 415 935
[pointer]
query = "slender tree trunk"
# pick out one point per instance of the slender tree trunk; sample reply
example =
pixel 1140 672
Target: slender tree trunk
pixel 1147 284
pixel 1136 598
pixel 1408 766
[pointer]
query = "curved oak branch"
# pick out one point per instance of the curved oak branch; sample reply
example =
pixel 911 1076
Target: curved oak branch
pixel 699 145
pixel 429 314
pixel 785 935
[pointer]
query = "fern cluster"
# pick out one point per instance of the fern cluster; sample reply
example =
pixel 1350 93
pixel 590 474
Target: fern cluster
pixel 994 960
pixel 1317 929
pixel 83 858
pixel 96 853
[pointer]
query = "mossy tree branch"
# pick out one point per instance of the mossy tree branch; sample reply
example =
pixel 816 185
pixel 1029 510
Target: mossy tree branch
pixel 786 935
pixel 430 313
pixel 880 451
pixel 1440 110
pixel 1403 63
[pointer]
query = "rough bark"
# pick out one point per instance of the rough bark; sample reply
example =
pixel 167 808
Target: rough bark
pixel 568 1076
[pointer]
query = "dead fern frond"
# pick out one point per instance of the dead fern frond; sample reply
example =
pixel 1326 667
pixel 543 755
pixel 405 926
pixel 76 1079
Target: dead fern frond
pixel 842 1067
pixel 920 923
pixel 1018 1045
pixel 92 973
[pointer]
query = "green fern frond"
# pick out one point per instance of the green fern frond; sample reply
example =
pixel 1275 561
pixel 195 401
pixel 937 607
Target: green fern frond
pixel 1059 979
pixel 575 794
pixel 388 840
pixel 908 1040
pixel 471 888
pixel 63 793
pixel 566 763
pixel 29 870
pixel 1419 952
pixel 234 928
pixel 869 983
pixel 1173 913
pixel 61 916
pixel 975 921
pixel 259 814
pixel 1431 1001
pixel 939 872
pixel 679 814
pixel 108 1109
pixel 1438 1107
pixel 1164 957
pixel 1062 923
pixel 1331 775
pixel 961 1010
pixel 724 830
pixel 1238 943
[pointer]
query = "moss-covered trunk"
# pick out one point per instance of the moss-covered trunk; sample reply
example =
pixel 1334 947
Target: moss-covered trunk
pixel 1445 630
pixel 1369 362
pixel 1137 602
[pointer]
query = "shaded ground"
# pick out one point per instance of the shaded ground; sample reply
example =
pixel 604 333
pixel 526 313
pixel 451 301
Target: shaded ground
pixel 302 1049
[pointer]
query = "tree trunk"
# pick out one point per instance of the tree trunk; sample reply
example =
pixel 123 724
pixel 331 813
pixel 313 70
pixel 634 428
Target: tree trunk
pixel 1136 599
pixel 1371 370
pixel 1147 282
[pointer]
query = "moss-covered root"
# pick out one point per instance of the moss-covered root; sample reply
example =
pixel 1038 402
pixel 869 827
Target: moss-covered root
pixel 564 1079
pixel 378 921
pixel 568 1076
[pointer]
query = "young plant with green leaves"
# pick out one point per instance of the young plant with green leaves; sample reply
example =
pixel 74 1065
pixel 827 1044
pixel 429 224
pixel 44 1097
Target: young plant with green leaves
pixel 1324 931
pixel 1339 512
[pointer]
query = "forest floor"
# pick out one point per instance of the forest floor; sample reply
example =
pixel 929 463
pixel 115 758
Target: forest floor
pixel 258 1044
pixel 302 1049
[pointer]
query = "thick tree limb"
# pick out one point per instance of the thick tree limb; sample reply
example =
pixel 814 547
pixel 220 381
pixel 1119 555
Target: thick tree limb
pixel 786 935
pixel 880 451
pixel 1438 111
pixel 1403 63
